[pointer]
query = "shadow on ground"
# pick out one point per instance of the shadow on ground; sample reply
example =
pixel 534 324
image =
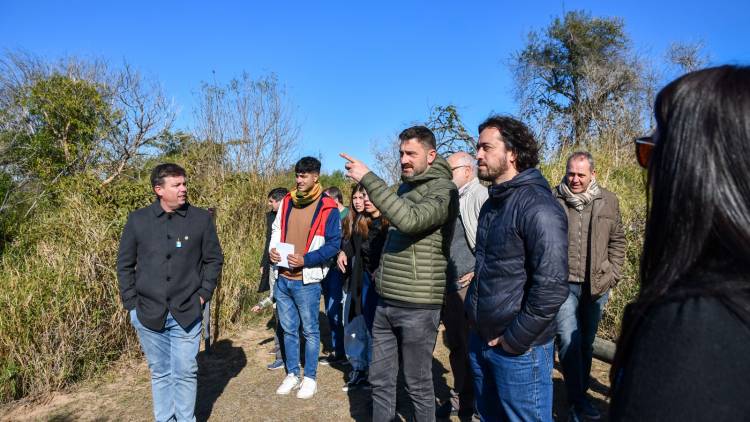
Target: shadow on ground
pixel 560 405
pixel 215 369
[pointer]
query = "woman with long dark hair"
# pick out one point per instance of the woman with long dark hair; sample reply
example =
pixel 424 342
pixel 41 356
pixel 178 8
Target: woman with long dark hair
pixel 682 353
pixel 364 236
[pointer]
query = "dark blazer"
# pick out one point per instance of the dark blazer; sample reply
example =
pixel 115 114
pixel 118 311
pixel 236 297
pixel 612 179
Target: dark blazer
pixel 521 274
pixel 265 260
pixel 167 262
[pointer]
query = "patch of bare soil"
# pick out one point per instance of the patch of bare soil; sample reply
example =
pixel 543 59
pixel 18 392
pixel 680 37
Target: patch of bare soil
pixel 234 385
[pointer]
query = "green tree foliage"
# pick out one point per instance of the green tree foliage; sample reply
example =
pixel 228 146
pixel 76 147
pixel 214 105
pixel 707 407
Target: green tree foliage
pixel 577 77
pixel 66 120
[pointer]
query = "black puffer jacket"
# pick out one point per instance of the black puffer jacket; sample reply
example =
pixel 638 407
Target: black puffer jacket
pixel 521 274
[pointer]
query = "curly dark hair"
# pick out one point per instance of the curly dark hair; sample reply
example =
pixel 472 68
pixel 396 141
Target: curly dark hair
pixel 517 138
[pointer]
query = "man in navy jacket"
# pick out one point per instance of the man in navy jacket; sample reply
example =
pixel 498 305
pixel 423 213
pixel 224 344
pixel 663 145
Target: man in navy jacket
pixel 520 278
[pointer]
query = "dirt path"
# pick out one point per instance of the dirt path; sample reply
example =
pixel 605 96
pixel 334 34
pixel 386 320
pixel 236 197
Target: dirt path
pixel 233 384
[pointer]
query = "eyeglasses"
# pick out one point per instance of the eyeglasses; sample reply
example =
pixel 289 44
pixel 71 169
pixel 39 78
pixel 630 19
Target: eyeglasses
pixel 644 146
pixel 458 167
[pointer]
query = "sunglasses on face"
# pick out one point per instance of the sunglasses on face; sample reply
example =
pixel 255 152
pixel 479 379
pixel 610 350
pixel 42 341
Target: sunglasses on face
pixel 644 146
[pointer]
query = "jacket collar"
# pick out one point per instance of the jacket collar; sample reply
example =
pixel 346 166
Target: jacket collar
pixel 527 177
pixel 158 210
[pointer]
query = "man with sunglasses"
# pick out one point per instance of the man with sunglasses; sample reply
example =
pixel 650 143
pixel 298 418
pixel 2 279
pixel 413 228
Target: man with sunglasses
pixel 596 251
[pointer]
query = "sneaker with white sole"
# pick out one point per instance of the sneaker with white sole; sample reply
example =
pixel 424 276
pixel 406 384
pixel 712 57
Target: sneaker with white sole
pixel 290 382
pixel 277 364
pixel 307 388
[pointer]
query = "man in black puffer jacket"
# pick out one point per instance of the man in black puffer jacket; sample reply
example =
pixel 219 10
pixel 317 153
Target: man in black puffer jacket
pixel 520 278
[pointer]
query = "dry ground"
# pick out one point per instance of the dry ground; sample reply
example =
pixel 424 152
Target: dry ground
pixel 234 385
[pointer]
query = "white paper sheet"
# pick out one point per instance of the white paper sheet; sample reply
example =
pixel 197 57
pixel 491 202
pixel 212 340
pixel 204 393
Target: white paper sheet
pixel 284 250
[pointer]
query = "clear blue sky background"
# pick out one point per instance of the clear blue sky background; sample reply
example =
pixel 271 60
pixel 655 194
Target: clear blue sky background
pixel 357 72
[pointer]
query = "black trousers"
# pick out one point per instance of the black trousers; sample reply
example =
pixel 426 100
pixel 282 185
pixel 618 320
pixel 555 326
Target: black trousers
pixel 411 333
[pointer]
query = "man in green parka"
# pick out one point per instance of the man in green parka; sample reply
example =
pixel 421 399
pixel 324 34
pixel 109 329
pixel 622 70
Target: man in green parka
pixel 411 277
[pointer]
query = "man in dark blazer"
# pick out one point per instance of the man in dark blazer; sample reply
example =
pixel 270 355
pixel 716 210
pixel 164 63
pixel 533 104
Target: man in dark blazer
pixel 168 265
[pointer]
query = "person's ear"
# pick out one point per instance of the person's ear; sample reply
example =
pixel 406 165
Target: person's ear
pixel 511 157
pixel 158 190
pixel 431 155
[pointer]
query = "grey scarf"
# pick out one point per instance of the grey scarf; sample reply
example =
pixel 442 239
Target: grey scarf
pixel 578 200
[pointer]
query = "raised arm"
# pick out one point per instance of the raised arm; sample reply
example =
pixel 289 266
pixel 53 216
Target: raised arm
pixel 432 210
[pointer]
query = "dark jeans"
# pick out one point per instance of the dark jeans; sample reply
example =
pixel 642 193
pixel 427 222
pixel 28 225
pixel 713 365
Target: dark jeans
pixel 577 322
pixel 333 296
pixel 457 341
pixel 411 333
pixel 278 335
pixel 512 387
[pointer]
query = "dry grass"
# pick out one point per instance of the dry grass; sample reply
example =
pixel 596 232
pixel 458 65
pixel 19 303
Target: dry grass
pixel 61 320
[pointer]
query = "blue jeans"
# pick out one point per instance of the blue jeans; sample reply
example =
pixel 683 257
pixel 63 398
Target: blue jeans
pixel 511 387
pixel 298 302
pixel 577 322
pixel 333 295
pixel 171 355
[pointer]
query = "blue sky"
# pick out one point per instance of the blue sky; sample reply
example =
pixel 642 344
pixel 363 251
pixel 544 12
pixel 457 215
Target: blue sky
pixel 356 72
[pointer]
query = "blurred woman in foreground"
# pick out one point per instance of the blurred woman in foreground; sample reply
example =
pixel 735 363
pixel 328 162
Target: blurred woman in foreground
pixel 683 351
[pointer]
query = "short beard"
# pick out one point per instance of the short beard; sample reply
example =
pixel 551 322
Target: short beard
pixel 415 171
pixel 493 173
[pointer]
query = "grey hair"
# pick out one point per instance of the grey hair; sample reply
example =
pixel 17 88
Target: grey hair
pixel 465 159
pixel 580 155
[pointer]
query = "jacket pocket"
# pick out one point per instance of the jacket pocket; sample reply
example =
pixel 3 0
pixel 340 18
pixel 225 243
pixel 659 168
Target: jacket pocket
pixel 603 278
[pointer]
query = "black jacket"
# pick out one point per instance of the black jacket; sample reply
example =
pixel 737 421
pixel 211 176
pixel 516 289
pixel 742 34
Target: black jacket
pixel 521 274
pixel 265 261
pixel 167 262
pixel 363 255
pixel 687 362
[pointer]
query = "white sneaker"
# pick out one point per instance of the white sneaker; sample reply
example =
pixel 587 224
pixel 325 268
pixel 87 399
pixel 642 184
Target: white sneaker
pixel 307 389
pixel 290 382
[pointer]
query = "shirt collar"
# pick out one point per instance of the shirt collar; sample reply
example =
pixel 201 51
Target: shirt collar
pixel 466 187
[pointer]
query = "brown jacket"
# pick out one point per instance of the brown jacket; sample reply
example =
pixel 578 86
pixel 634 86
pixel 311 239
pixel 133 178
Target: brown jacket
pixel 607 253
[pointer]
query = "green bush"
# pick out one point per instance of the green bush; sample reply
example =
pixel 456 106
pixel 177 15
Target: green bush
pixel 61 319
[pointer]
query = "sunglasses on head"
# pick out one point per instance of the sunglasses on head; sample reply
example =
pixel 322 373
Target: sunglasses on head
pixel 644 146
